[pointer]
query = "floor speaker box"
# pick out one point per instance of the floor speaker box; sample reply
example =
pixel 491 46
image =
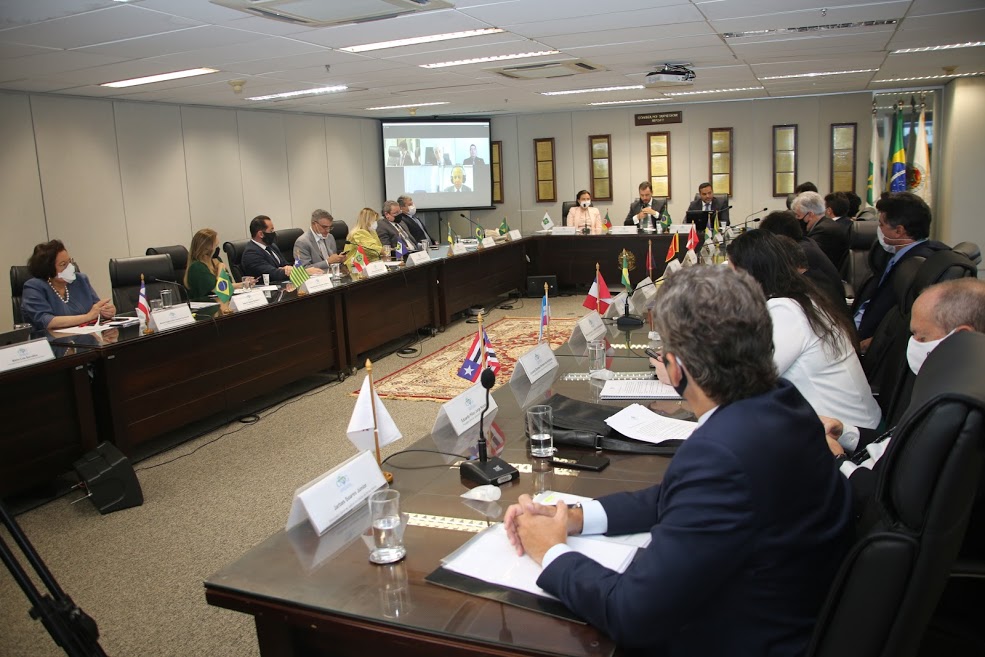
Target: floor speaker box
pixel 109 479
pixel 535 286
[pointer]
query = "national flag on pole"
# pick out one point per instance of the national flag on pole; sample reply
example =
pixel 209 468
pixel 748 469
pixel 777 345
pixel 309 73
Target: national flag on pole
pixel 359 260
pixel 298 273
pixel 873 189
pixel 400 249
pixel 673 249
pixel 649 258
pixel 360 429
pixel 143 308
pixel 478 233
pixel 692 239
pixel 897 156
pixel 625 273
pixel 472 365
pixel 546 223
pixel 504 227
pixel 545 317
pixel 223 286
pixel 919 174
pixel 451 235
pixel 598 297
pixel 665 217
pixel 607 223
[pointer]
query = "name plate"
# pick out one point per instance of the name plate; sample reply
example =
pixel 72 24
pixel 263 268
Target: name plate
pixel 535 363
pixel 325 500
pixel 680 228
pixel 591 326
pixel 317 284
pixel 514 235
pixel 172 318
pixel 564 230
pixel 375 268
pixel 464 410
pixel 623 230
pixel 24 354
pixel 672 266
pixel 247 300
pixel 418 258
pixel 458 249
pixel 647 288
pixel 488 241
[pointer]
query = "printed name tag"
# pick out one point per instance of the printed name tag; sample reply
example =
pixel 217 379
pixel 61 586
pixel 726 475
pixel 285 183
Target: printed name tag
pixel 418 258
pixel 563 230
pixel 375 268
pixel 248 300
pixel 623 230
pixel 317 284
pixel 325 500
pixel 488 241
pixel 24 354
pixel 458 249
pixel 171 318
pixel 537 362
pixel 591 326
pixel 515 235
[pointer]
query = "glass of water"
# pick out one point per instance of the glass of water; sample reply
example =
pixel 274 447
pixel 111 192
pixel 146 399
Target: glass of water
pixel 388 527
pixel 596 356
pixel 336 271
pixel 540 428
pixel 166 298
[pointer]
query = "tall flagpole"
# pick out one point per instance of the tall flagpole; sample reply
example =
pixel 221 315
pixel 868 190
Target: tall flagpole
pixel 547 325
pixel 376 429
pixel 598 290
pixel 649 258
pixel 482 347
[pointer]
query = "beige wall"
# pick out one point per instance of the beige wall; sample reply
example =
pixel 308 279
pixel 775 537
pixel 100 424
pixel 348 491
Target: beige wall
pixel 962 148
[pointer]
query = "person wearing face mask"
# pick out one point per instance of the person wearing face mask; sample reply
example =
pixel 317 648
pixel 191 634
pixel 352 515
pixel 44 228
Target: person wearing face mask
pixel 817 218
pixel 58 296
pixel 261 256
pixel 204 265
pixel 364 235
pixel 316 247
pixel 904 229
pixel 393 231
pixel 583 217
pixel 408 216
pixel 750 522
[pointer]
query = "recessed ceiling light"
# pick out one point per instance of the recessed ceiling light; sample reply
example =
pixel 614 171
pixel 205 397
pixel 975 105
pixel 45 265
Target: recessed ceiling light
pixel 950 46
pixel 931 77
pixel 710 91
pixel 818 75
pixel 397 43
pixel 497 58
pixel 588 91
pixel 808 28
pixel 302 92
pixel 390 107
pixel 628 102
pixel 150 79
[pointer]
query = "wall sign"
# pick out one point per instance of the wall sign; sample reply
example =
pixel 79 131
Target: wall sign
pixel 659 118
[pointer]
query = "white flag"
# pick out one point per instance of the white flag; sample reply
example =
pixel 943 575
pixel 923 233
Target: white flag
pixel 919 182
pixel 546 223
pixel 360 430
pixel 874 186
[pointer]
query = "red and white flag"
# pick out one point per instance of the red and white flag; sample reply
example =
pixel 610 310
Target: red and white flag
pixel 692 239
pixel 598 297
pixel 143 308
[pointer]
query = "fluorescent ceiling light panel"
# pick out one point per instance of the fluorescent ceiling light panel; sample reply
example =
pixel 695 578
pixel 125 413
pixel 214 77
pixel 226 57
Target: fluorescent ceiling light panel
pixel 390 107
pixel 931 77
pixel 808 28
pixel 397 43
pixel 818 75
pixel 497 58
pixel 951 46
pixel 711 91
pixel 588 91
pixel 302 92
pixel 161 77
pixel 628 102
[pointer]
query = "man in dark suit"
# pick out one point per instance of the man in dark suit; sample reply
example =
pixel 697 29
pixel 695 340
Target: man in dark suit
pixel 408 217
pixel 391 229
pixel 904 229
pixel 473 159
pixel 708 204
pixel 646 211
pixel 752 518
pixel 830 235
pixel 261 256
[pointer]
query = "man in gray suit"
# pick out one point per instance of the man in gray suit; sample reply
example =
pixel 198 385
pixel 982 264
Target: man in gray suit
pixel 391 230
pixel 316 247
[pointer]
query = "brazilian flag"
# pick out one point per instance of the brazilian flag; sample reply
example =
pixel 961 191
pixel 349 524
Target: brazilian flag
pixel 897 156
pixel 625 273
pixel 665 217
pixel 504 227
pixel 478 233
pixel 223 286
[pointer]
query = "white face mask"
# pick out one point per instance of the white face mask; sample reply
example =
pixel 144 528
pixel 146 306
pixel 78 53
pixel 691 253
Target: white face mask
pixel 585 204
pixel 917 352
pixel 68 274
pixel 411 210
pixel 372 226
pixel 882 242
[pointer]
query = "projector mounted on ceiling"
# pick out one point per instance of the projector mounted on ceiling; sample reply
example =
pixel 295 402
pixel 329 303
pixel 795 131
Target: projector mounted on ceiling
pixel 322 13
pixel 669 75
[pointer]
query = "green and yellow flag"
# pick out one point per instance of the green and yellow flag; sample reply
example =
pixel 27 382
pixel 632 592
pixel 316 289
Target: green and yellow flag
pixel 504 227
pixel 897 156
pixel 223 286
pixel 625 273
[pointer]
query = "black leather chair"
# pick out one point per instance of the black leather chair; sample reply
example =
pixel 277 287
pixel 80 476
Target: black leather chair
pixel 234 257
pixel 157 270
pixel 888 587
pixel 19 274
pixel 969 249
pixel 566 208
pixel 855 270
pixel 286 237
pixel 721 197
pixel 179 259
pixel 340 231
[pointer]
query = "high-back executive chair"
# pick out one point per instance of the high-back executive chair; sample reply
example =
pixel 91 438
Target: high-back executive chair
pixel 124 276
pixel 179 259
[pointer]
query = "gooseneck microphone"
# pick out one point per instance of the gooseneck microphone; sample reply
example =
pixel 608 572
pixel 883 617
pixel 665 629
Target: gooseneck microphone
pixel 747 219
pixel 487 470
pixel 469 219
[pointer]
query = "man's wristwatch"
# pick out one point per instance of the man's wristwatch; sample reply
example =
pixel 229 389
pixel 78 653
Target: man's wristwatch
pixel 841 458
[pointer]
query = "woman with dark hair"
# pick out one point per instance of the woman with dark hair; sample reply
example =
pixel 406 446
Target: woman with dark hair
pixel 58 296
pixel 813 343
pixel 583 217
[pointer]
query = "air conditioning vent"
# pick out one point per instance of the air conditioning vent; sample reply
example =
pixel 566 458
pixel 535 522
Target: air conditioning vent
pixel 546 70
pixel 323 13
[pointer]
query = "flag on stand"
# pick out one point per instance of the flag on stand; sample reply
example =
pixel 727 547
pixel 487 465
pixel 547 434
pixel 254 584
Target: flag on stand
pixel 223 285
pixel 298 273
pixel 400 249
pixel 665 217
pixel 545 317
pixel 504 227
pixel 649 258
pixel 692 239
pixel 897 156
pixel 625 274
pixel 546 223
pixel 472 366
pixel 359 260
pixel 874 187
pixel 360 429
pixel 673 249
pixel 598 297
pixel 478 233
pixel 607 223
pixel 919 174
pixel 143 308
pixel 451 235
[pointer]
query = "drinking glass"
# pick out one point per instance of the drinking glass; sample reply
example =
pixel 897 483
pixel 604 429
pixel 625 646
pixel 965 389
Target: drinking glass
pixel 540 428
pixel 248 282
pixel 336 271
pixel 596 356
pixel 166 298
pixel 388 527
pixel 155 305
pixel 386 252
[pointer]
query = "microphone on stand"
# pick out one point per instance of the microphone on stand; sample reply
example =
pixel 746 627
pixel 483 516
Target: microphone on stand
pixel 487 470
pixel 747 220
pixel 468 219
pixel 182 293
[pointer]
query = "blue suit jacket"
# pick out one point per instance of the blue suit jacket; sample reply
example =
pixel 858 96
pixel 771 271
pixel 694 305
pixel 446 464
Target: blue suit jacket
pixel 749 526
pixel 256 262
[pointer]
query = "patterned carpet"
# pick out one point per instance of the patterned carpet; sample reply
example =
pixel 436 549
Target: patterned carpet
pixel 435 377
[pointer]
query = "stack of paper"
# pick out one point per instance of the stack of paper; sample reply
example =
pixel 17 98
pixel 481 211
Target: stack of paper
pixel 638 389
pixel 640 423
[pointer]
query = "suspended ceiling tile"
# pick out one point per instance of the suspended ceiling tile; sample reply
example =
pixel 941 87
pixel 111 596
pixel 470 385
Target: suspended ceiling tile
pixel 102 26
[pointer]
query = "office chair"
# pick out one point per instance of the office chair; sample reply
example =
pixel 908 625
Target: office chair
pixel 179 258
pixel 234 257
pixel 886 592
pixel 566 207
pixel 855 270
pixel 19 274
pixel 158 272
pixel 286 237
pixel 340 231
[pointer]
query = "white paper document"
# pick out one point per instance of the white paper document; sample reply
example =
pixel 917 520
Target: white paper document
pixel 551 498
pixel 638 389
pixel 490 557
pixel 640 423
pixel 84 330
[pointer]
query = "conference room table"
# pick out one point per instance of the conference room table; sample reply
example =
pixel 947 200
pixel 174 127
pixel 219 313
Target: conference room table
pixel 320 595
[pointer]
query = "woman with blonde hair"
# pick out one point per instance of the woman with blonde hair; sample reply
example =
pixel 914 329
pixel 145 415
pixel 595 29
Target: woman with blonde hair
pixel 364 235
pixel 204 265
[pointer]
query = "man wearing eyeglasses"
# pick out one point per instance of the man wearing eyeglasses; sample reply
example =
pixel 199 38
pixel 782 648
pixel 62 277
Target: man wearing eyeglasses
pixel 316 247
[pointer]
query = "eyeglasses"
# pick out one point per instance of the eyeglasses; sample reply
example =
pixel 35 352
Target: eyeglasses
pixel 328 227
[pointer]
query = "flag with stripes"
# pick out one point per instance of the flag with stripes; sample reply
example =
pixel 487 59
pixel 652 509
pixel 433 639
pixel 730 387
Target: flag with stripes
pixel 400 249
pixel 873 188
pixel 897 156
pixel 673 248
pixel 598 298
pixel 692 238
pixel 143 308
pixel 472 365
pixel 545 317
pixel 359 260
pixel 298 273
pixel 607 223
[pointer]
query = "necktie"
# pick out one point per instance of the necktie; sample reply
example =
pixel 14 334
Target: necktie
pixel 273 255
pixel 322 248
pixel 707 207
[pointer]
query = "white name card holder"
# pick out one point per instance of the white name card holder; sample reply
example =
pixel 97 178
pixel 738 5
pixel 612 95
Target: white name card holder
pixel 172 318
pixel 456 429
pixel 488 242
pixel 672 266
pixel 327 499
pixel 535 363
pixel 24 354
pixel 247 300
pixel 564 230
pixel 418 258
pixel 514 235
pixel 623 230
pixel 312 551
pixel 458 249
pixel 317 284
pixel 618 306
pixel 527 393
pixel 375 268
pixel 679 228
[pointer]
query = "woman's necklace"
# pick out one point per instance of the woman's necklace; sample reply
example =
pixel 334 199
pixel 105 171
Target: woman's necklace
pixel 68 294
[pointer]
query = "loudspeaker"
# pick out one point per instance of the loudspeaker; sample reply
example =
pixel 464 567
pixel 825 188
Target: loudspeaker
pixel 535 286
pixel 109 479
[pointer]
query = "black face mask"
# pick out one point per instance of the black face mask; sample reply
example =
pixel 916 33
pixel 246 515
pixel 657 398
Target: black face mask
pixel 215 254
pixel 682 385
pixel 270 238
